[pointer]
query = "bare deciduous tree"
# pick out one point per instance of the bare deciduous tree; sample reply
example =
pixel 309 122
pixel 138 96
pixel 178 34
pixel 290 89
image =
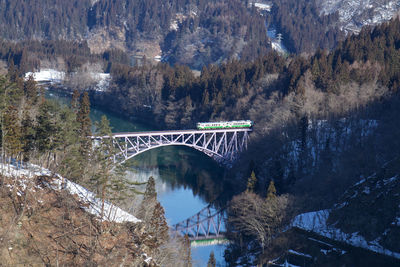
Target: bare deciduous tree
pixel 257 217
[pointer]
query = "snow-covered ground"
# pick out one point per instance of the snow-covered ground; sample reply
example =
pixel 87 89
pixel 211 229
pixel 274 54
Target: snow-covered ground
pixel 353 14
pixel 22 173
pixel 101 80
pixel 316 222
pixel 47 75
pixel 278 47
pixel 263 6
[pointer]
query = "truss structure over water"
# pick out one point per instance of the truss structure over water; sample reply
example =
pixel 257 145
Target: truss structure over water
pixel 223 145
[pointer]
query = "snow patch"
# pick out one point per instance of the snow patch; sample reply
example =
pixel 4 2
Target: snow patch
pixel 366 190
pixel 390 180
pixel 47 75
pixel 299 253
pixel 263 6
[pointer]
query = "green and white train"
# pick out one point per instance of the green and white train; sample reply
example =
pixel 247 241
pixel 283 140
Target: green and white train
pixel 224 124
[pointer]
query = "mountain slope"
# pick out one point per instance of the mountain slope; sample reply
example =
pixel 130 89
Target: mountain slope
pixel 367 215
pixel 194 32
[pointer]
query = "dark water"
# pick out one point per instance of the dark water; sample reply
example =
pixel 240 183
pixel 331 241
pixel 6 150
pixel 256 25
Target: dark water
pixel 186 179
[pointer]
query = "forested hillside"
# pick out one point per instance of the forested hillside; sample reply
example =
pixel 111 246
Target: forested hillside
pixel 195 32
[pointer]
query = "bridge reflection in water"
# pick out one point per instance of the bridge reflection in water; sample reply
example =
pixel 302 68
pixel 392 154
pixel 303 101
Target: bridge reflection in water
pixel 204 228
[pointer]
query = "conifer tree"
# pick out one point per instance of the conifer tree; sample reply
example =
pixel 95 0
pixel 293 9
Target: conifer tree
pixel 30 89
pixel 150 192
pixel 158 226
pixel 251 182
pixel 83 117
pixel 28 135
pixel 211 261
pixel 188 252
pixel 12 132
pixel 271 191
pixel 149 200
pixel 75 101
pixel 103 158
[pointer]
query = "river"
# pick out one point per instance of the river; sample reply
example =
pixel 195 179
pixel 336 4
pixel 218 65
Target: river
pixel 186 179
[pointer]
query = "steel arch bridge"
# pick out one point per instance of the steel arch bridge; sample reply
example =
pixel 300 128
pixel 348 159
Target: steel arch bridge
pixel 223 145
pixel 206 224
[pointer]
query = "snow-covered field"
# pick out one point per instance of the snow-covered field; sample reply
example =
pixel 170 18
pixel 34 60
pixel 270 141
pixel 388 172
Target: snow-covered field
pixel 316 222
pixel 101 80
pixel 90 203
pixel 47 75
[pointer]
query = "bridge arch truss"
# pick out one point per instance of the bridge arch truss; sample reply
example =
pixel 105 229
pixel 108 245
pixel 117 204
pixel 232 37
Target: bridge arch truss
pixel 223 145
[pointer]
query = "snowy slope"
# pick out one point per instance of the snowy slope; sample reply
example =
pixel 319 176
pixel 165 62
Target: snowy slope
pixel 367 215
pixel 316 222
pixel 354 14
pixel 89 201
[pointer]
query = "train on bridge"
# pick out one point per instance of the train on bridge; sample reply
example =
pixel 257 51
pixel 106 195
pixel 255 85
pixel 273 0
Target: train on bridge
pixel 224 124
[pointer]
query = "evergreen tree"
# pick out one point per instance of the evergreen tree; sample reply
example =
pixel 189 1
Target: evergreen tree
pixel 188 252
pixel 271 191
pixel 44 128
pixel 12 132
pixel 83 117
pixel 102 157
pixel 150 192
pixel 251 182
pixel 30 89
pixel 211 261
pixel 158 226
pixel 28 135
pixel 75 101
pixel 149 200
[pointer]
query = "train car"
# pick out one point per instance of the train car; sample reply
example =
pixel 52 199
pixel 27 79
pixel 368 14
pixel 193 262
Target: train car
pixel 224 124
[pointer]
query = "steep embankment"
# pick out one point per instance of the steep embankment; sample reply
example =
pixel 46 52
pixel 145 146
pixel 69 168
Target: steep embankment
pixel 367 215
pixel 45 219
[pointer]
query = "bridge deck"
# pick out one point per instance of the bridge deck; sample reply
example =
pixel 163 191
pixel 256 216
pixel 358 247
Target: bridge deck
pixel 174 132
